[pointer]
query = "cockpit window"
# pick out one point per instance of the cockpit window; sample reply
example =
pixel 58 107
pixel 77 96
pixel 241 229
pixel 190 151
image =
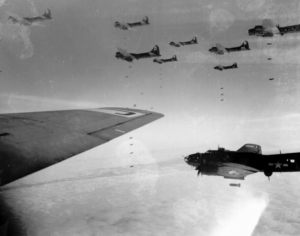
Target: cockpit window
pixel 195 156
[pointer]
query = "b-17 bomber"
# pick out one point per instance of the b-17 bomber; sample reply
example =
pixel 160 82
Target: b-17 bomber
pixel 124 55
pixel 27 21
pixel 220 50
pixel 245 161
pixel 288 29
pixel 161 61
pixel 178 44
pixel 127 26
pixel 219 67
pixel 268 29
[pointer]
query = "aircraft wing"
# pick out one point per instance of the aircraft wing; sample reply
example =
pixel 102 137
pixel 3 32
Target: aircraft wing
pixel 32 141
pixel 158 61
pixel 235 171
pixel 124 53
pixel 220 48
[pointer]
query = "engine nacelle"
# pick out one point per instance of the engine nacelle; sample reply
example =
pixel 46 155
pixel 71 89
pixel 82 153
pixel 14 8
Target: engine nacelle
pixel 209 169
pixel 268 173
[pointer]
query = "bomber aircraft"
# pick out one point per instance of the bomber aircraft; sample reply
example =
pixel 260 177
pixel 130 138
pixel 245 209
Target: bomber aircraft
pixel 288 29
pixel 219 67
pixel 27 21
pixel 32 141
pixel 219 49
pixel 268 29
pixel 178 44
pixel 160 61
pixel 245 161
pixel 122 54
pixel 127 26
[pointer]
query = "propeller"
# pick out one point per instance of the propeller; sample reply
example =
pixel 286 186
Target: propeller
pixel 199 170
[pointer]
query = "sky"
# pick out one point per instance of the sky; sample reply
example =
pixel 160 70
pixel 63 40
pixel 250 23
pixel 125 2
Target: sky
pixel 69 63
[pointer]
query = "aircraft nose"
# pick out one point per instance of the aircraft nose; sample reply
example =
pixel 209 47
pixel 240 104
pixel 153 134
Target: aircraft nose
pixel 251 32
pixel 186 159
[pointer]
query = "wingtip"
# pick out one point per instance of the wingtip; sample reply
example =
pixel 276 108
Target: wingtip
pixel 134 110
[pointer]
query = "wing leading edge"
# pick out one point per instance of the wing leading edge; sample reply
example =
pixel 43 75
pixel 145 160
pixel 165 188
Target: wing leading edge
pixel 32 141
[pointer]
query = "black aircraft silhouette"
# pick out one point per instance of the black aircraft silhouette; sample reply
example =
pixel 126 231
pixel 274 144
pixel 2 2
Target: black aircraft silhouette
pixel 268 29
pixel 160 61
pixel 122 54
pixel 245 161
pixel 219 49
pixel 27 21
pixel 178 44
pixel 288 29
pixel 127 26
pixel 219 67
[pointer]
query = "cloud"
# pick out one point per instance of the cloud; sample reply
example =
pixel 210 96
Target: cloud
pixel 17 34
pixel 241 216
pixel 249 6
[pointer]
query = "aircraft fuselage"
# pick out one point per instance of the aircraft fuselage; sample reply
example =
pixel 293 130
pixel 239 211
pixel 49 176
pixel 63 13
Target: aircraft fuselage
pixel 289 29
pixel 144 55
pixel 209 163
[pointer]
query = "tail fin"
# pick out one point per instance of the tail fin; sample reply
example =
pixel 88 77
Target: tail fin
pixel 194 40
pixel 145 20
pixel 155 50
pixel 234 65
pixel 47 14
pixel 245 45
pixel 174 58
pixel 280 32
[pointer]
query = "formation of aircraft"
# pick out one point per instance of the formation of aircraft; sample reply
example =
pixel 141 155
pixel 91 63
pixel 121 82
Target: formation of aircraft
pixel 161 61
pixel 33 141
pixel 220 50
pixel 27 21
pixel 219 67
pixel 245 161
pixel 122 54
pixel 178 44
pixel 127 26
